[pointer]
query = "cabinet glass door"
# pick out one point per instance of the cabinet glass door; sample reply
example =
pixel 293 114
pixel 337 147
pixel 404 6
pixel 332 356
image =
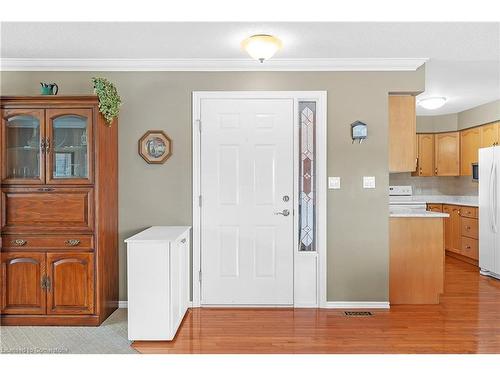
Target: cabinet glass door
pixel 22 146
pixel 69 149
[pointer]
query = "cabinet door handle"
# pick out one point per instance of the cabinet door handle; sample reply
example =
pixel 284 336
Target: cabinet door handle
pixel 19 242
pixel 183 240
pixel 467 227
pixel 47 145
pixel 435 171
pixel 467 247
pixel 72 242
pixel 47 284
pixel 43 282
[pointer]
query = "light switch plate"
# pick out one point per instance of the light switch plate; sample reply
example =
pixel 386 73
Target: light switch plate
pixel 333 182
pixel 368 182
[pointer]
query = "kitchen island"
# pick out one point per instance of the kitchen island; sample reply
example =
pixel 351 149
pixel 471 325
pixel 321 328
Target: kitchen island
pixel 416 238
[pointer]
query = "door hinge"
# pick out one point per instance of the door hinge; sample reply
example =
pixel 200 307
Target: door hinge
pixel 199 125
pixel 199 275
pixel 199 200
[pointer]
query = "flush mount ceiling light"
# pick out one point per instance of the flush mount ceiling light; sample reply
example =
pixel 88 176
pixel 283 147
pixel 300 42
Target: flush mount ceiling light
pixel 262 46
pixel 434 102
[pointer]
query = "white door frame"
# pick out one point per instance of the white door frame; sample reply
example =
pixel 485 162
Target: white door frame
pixel 309 267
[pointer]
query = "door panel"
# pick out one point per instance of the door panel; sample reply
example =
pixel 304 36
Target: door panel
pixel 247 169
pixel 447 154
pixel 490 135
pixel 69 151
pixel 21 281
pixel 71 289
pixel 469 146
pixel 425 155
pixel 23 153
pixel 43 209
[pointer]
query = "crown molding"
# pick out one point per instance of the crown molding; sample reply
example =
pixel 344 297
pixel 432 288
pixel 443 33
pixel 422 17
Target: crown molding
pixel 212 65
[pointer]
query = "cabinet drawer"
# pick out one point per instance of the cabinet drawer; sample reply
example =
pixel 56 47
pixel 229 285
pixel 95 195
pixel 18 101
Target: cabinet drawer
pixel 47 209
pixel 469 212
pixel 470 248
pixel 48 242
pixel 436 207
pixel 469 227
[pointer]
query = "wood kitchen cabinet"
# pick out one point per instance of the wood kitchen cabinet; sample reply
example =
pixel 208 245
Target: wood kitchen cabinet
pixel 402 133
pixel 470 141
pixel 447 154
pixel 452 224
pixel 425 156
pixel 59 211
pixel 490 134
pixel 461 232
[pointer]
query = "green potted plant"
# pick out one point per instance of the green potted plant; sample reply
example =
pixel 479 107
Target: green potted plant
pixel 109 100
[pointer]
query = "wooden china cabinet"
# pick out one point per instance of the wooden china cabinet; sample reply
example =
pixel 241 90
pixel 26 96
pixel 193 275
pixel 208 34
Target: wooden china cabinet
pixel 59 212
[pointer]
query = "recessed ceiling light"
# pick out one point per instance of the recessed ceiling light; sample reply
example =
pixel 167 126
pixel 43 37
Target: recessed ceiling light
pixel 261 46
pixel 434 102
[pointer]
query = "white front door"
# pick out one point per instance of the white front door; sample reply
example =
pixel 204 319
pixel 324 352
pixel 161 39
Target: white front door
pixel 246 180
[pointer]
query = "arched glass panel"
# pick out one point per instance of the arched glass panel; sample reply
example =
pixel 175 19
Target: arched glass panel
pixel 23 147
pixel 70 137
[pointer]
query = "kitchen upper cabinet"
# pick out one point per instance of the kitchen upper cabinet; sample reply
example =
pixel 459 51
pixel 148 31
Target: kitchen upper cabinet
pixel 490 135
pixel 22 283
pixel 425 159
pixel 71 283
pixel 470 141
pixel 402 133
pixel 447 154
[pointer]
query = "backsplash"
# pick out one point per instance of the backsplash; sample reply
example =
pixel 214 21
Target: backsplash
pixel 436 185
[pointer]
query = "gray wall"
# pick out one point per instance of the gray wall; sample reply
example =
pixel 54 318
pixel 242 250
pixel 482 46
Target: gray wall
pixel 160 194
pixel 482 114
pixel 432 124
pixel 469 118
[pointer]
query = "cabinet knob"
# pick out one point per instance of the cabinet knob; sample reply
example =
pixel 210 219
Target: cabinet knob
pixel 183 240
pixel 467 247
pixel 19 242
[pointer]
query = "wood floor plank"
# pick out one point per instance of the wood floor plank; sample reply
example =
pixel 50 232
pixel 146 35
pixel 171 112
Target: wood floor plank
pixel 466 321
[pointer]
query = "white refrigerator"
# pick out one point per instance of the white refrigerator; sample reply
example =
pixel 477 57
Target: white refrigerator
pixel 489 196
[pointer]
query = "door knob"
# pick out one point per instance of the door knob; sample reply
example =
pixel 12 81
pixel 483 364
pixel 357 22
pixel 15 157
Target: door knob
pixel 284 212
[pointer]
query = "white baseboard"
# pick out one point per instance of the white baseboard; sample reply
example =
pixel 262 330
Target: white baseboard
pixel 124 304
pixel 329 305
pixel 357 305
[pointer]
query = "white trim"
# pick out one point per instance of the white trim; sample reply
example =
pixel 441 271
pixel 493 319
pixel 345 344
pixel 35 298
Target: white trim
pixel 321 98
pixel 124 304
pixel 357 305
pixel 308 64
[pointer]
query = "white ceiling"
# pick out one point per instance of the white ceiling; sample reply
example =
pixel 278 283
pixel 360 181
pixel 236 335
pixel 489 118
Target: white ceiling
pixel 464 58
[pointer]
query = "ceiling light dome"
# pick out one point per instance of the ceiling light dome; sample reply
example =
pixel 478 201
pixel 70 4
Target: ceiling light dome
pixel 433 102
pixel 262 46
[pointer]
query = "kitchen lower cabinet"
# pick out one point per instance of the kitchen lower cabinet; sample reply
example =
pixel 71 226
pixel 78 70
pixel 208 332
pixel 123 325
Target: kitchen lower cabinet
pixel 461 232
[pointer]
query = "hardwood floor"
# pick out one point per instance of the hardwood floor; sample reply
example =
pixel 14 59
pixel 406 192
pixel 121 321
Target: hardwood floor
pixel 466 321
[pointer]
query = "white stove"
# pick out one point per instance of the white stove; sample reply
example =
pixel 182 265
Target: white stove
pixel 401 196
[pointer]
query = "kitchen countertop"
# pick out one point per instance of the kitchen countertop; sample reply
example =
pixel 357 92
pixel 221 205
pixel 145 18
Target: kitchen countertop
pixel 411 212
pixel 460 200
